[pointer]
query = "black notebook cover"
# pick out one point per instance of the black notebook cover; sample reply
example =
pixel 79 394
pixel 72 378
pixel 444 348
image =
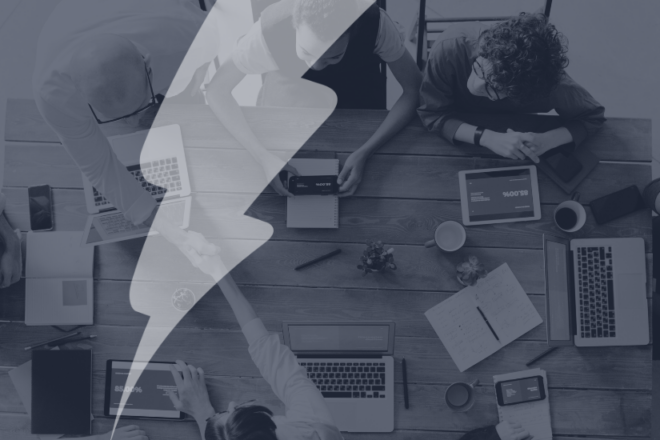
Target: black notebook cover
pixel 61 392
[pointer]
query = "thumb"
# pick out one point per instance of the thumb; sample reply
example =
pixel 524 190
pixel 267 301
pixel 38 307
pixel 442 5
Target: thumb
pixel 209 249
pixel 342 175
pixel 175 399
pixel 291 169
pixel 508 130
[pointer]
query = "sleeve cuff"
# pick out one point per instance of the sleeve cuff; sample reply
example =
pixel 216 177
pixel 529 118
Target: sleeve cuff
pixel 141 209
pixel 449 129
pixel 578 131
pixel 254 330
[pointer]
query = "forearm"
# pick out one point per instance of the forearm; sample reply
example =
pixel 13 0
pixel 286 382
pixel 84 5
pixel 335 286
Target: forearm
pixel 558 136
pixel 240 306
pixel 6 231
pixel 399 116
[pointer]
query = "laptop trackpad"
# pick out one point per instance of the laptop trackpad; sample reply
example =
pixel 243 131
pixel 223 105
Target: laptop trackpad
pixel 344 413
pixel 632 290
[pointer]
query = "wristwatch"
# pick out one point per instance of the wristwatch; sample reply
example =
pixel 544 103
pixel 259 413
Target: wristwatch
pixel 477 136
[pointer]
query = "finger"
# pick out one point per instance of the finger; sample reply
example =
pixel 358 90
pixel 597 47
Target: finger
pixel 193 372
pixel 200 372
pixel 349 184
pixel 529 153
pixel 177 377
pixel 508 130
pixel 348 193
pixel 289 168
pixel 519 154
pixel 185 372
pixel 280 189
pixel 175 400
pixel 345 172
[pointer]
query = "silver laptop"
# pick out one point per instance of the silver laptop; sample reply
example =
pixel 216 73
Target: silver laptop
pixel 596 292
pixel 351 364
pixel 156 158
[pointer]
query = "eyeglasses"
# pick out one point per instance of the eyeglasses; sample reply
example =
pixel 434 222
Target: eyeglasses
pixel 154 102
pixel 488 86
pixel 240 405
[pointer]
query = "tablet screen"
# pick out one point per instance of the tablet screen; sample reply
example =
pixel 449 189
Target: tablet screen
pixel 148 397
pixel 499 195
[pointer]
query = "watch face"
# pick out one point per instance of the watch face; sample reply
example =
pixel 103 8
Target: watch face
pixel 183 299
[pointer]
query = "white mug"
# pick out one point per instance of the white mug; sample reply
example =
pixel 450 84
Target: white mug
pixel 577 209
pixel 449 236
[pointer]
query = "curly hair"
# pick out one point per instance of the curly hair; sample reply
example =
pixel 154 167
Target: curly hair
pixel 325 17
pixel 527 54
pixel 247 423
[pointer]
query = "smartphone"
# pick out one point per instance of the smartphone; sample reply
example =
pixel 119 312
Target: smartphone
pixel 41 208
pixel 565 165
pixel 616 205
pixel 513 392
pixel 313 185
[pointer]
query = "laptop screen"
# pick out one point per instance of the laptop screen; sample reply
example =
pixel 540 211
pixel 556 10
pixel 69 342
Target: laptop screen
pixel 558 301
pixel 341 338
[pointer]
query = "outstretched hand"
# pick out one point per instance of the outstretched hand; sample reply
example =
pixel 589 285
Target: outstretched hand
pixel 351 174
pixel 192 397
pixel 512 431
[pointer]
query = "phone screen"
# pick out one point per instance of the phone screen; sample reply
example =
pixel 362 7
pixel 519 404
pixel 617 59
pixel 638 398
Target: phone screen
pixel 41 218
pixel 520 390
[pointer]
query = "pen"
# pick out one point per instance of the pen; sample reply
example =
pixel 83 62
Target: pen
pixel 487 323
pixel 405 382
pixel 52 340
pixel 316 260
pixel 84 338
pixel 542 355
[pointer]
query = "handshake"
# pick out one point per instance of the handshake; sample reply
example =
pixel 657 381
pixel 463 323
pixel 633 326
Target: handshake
pixel 203 254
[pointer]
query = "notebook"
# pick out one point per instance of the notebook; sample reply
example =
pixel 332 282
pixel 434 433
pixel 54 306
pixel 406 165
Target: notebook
pixel 61 392
pixel 533 416
pixel 466 333
pixel 313 211
pixel 59 283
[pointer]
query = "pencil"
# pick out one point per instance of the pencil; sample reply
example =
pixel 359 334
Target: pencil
pixel 84 338
pixel 316 260
pixel 405 383
pixel 542 355
pixel 52 340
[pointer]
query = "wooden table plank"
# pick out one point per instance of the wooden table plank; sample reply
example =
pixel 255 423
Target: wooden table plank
pixel 348 129
pixel 394 221
pixel 575 412
pixel 224 353
pixel 390 176
pixel 17 427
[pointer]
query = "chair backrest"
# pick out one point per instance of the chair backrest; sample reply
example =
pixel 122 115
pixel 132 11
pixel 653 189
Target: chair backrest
pixel 424 44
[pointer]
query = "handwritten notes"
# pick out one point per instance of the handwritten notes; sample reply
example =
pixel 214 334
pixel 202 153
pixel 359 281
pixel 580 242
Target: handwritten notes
pixel 533 416
pixel 464 332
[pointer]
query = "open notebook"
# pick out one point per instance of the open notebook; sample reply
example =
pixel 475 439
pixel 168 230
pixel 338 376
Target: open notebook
pixel 533 416
pixel 59 284
pixel 313 211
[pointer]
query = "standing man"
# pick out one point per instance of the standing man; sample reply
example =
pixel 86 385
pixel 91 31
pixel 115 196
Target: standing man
pixel 113 61
pixel 512 67
pixel 321 42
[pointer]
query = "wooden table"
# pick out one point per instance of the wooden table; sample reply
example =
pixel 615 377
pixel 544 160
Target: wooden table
pixel 410 187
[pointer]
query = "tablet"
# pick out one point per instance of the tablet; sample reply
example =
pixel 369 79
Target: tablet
pixel 499 195
pixel 148 398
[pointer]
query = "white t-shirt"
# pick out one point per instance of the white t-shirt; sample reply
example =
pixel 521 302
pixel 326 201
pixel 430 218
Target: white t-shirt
pixel 163 31
pixel 252 56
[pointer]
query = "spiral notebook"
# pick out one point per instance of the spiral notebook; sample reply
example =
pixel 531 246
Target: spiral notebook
pixel 533 416
pixel 313 211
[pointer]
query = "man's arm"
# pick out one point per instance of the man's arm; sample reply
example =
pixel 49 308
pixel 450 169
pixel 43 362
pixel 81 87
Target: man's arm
pixel 407 74
pixel 11 261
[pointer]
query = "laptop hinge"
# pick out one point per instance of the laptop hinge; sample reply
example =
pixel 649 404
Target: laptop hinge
pixel 321 356
pixel 106 210
pixel 571 291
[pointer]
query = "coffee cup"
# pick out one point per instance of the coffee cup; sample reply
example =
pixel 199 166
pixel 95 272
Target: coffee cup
pixel 570 215
pixel 449 236
pixel 460 396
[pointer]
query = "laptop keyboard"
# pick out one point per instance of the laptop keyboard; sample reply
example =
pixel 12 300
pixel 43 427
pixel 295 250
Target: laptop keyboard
pixel 360 380
pixel 596 292
pixel 157 177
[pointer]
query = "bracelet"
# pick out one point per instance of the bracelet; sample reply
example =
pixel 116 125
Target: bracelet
pixel 477 136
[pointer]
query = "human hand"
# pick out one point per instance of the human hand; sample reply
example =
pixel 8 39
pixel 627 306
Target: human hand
pixel 272 165
pixel 351 174
pixel 540 143
pixel 11 261
pixel 512 431
pixel 193 397
pixel 131 432
pixel 510 144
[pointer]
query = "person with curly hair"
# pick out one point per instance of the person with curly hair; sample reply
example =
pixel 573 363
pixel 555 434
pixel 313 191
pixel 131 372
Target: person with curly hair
pixel 513 67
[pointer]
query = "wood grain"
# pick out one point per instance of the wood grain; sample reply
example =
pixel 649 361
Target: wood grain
pixel 348 129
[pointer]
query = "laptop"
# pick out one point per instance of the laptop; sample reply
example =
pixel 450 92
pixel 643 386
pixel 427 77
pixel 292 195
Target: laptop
pixel 351 364
pixel 596 292
pixel 156 158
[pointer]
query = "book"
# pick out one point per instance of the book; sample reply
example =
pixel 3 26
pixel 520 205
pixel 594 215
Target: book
pixel 533 416
pixel 313 211
pixel 481 319
pixel 61 392
pixel 58 279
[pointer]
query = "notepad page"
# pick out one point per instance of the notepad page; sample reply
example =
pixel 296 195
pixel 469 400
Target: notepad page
pixel 313 211
pixel 533 416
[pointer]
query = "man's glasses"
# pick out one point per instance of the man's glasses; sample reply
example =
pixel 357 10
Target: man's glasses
pixel 488 86
pixel 154 102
